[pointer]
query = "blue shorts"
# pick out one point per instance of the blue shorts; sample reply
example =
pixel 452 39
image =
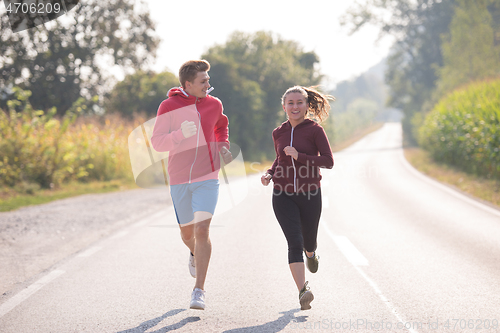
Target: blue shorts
pixel 194 197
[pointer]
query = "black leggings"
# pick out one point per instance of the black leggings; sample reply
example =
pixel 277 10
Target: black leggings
pixel 298 216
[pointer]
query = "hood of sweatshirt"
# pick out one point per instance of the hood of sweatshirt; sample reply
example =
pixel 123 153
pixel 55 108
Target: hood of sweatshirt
pixel 178 91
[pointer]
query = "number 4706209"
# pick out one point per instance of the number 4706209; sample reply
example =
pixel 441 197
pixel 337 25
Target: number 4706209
pixel 472 324
pixel 33 8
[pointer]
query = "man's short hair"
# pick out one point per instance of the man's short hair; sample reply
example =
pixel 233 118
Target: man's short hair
pixel 190 69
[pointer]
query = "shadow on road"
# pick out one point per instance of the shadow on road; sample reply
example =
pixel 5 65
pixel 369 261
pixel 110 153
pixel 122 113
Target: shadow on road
pixel 272 326
pixel 153 322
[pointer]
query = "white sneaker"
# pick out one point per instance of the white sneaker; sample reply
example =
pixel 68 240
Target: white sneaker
pixel 191 265
pixel 198 299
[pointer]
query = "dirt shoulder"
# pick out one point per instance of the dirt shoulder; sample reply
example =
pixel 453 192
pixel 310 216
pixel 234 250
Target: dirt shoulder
pixel 33 239
pixel 485 190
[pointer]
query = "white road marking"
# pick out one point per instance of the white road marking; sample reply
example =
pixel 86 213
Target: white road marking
pixel 24 294
pixel 350 251
pixel 445 188
pixel 90 251
pixel 347 248
pixel 357 259
pixel 384 299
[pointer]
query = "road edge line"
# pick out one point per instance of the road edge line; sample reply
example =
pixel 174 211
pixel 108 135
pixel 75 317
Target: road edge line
pixel 28 292
pixel 445 188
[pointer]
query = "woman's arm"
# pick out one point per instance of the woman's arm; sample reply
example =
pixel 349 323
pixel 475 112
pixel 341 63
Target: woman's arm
pixel 325 158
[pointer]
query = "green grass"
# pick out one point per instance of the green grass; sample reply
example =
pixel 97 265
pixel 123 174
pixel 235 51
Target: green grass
pixel 11 199
pixel 482 188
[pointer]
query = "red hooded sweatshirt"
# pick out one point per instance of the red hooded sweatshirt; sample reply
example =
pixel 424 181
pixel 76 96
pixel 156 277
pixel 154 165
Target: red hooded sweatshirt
pixel 301 175
pixel 196 158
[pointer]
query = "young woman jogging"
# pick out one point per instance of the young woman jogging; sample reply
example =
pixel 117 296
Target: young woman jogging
pixel 302 148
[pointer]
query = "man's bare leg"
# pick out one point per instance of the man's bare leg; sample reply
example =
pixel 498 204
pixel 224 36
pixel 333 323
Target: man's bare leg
pixel 187 235
pixel 197 238
pixel 203 247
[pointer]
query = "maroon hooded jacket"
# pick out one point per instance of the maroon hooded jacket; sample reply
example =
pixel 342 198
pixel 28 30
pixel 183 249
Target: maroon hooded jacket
pixel 301 175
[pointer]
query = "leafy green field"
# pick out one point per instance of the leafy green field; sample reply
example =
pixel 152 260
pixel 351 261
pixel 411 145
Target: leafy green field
pixel 463 130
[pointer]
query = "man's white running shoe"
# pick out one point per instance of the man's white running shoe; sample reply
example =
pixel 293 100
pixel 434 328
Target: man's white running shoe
pixel 198 299
pixel 192 267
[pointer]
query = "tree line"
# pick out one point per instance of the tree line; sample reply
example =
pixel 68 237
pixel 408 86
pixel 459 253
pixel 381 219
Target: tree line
pixel 61 64
pixel 250 72
pixel 64 60
pixel 440 45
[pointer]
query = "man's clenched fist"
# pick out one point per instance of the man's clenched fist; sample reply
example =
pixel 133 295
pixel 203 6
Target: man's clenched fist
pixel 226 155
pixel 188 129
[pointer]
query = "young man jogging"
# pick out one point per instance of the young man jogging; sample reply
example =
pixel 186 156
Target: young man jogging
pixel 192 127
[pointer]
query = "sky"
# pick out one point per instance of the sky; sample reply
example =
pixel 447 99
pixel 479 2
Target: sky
pixel 189 28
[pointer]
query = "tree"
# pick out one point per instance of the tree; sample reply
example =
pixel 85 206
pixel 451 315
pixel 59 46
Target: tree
pixel 62 60
pixel 250 73
pixel 243 101
pixel 366 86
pixel 470 50
pixel 361 102
pixel 142 91
pixel 417 26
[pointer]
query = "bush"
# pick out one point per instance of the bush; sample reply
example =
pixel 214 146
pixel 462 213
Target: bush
pixel 31 146
pixel 463 130
pixel 38 148
pixel 101 146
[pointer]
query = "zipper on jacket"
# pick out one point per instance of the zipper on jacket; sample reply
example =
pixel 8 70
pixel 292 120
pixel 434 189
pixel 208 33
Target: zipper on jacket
pixel 197 139
pixel 293 164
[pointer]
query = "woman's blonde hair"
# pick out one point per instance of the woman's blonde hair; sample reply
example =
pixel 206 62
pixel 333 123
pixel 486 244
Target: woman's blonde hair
pixel 319 107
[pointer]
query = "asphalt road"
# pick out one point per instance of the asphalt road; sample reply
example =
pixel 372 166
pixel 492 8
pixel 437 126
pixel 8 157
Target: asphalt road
pixel 399 253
